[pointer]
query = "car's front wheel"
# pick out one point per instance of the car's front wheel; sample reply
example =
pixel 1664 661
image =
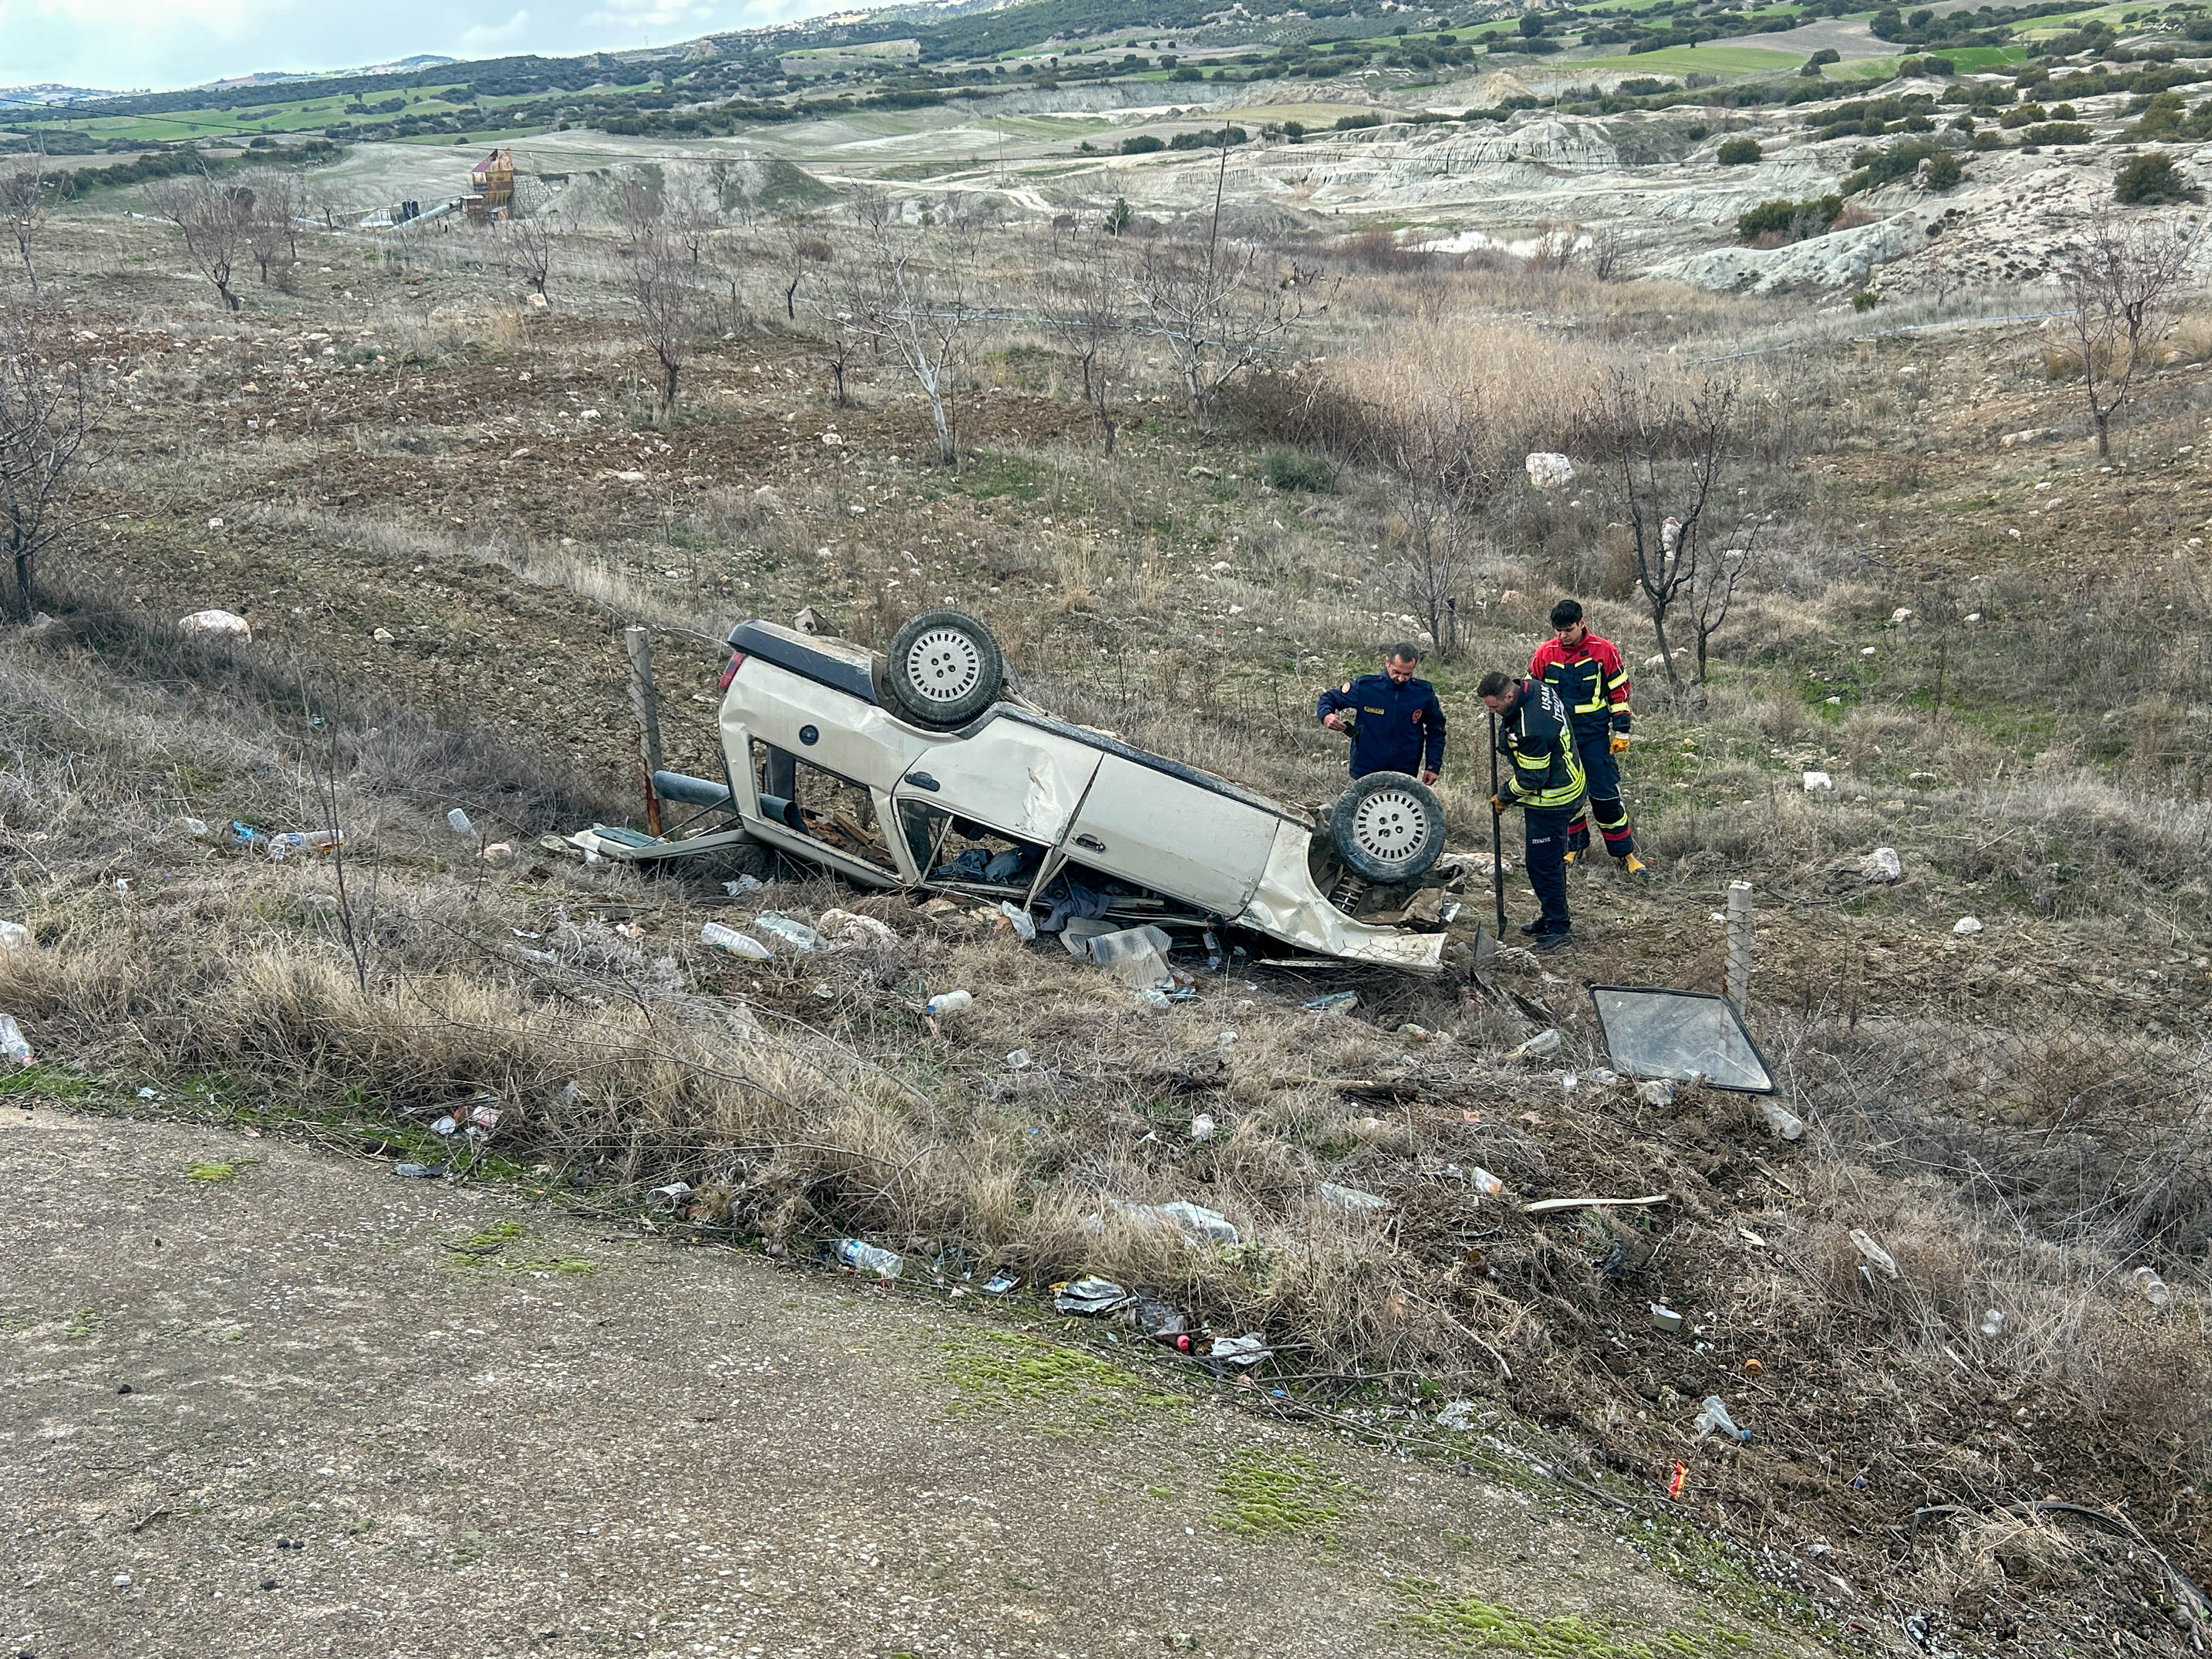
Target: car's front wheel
pixel 944 668
pixel 1388 827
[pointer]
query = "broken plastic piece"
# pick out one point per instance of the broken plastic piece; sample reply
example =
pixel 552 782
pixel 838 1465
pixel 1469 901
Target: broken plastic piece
pixel 1714 1417
pixel 1247 1350
pixel 1876 1256
pixel 1338 1002
pixel 1351 1198
pixel 737 944
pixel 1088 1296
pixel 796 935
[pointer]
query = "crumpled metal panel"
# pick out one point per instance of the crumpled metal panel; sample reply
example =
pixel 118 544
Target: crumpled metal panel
pixel 1288 907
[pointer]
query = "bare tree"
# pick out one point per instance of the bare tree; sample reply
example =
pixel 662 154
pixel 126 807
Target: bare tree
pixel 1670 453
pixel 274 201
pixel 838 336
pixel 1434 451
pixel 1713 588
pixel 916 309
pixel 695 212
pixel 216 222
pixel 1083 305
pixel 530 245
pixel 45 408
pixel 799 243
pixel 23 209
pixel 2120 283
pixel 666 303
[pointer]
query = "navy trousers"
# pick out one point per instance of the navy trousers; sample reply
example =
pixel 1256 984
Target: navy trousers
pixel 1547 847
pixel 1603 772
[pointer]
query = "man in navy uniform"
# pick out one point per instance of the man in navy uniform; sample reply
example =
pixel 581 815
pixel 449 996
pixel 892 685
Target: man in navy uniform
pixel 1396 723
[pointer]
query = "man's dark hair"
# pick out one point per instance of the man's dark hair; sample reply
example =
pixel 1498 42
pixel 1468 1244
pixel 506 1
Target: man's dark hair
pixel 1404 651
pixel 1566 613
pixel 1495 683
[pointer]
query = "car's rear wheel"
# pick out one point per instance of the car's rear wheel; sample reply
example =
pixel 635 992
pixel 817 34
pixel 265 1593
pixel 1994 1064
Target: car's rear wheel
pixel 944 668
pixel 1388 827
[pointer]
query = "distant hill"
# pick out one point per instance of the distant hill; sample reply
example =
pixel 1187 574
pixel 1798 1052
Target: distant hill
pixel 49 95
pixel 421 60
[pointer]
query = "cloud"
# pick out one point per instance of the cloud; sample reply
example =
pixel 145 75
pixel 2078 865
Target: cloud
pixel 486 42
pixel 127 43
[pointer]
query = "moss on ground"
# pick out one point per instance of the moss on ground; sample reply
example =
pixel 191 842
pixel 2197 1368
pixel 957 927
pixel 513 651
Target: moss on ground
pixel 1467 1624
pixel 1003 1368
pixel 1282 1493
pixel 500 1245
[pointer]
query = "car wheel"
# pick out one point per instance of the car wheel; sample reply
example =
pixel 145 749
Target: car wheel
pixel 1388 827
pixel 944 668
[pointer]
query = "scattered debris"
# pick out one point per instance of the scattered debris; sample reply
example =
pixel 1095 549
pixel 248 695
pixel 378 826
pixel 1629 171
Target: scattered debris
pixel 796 935
pixel 870 1259
pixel 1460 1416
pixel 1785 1123
pixel 1337 1002
pixel 1544 1042
pixel 1816 781
pixel 745 885
pixel 14 936
pixel 2156 1290
pixel 1484 1182
pixel 1992 1321
pixel 949 1002
pixel 737 944
pixel 13 1048
pixel 1968 924
pixel 1546 1206
pixel 419 1172
pixel 302 841
pixel 1088 1296
pixel 1018 1060
pixel 673 1193
pixel 458 821
pixel 1192 1218
pixel 1004 1282
pixel 1658 1092
pixel 1351 1198
pixel 1247 1350
pixel 1023 923
pixel 1676 1481
pixel 848 928
pixel 1714 1416
pixel 1202 1126
pixel 1877 1257
pixel 1665 1319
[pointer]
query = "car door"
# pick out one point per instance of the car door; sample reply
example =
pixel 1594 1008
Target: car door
pixel 1176 837
pixel 1010 776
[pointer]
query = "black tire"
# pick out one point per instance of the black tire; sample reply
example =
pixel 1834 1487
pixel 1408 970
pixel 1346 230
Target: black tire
pixel 1388 827
pixel 944 668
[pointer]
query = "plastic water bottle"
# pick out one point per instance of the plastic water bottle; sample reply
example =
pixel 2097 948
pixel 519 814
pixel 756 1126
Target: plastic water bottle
pixel 949 1002
pixel 13 1048
pixel 737 944
pixel 2156 1290
pixel 870 1259
pixel 460 821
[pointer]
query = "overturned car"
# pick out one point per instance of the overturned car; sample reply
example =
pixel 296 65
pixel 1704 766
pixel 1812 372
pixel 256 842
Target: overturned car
pixel 923 767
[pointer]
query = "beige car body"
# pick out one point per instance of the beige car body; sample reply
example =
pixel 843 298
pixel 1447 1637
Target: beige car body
pixel 1229 855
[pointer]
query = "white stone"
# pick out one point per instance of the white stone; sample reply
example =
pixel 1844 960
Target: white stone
pixel 1815 781
pixel 219 624
pixel 1549 471
pixel 1968 924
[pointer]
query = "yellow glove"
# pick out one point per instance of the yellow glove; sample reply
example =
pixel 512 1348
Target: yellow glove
pixel 1618 745
pixel 1497 805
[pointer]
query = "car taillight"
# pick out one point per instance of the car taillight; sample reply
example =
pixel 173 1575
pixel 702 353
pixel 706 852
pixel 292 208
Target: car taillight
pixel 737 661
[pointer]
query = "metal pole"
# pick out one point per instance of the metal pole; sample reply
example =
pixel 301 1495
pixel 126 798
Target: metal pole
pixel 1739 944
pixel 1496 837
pixel 638 642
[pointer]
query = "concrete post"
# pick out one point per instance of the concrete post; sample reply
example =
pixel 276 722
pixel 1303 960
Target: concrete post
pixel 1739 944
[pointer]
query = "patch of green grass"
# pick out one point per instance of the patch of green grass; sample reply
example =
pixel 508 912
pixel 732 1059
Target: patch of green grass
pixel 1467 1624
pixel 213 1171
pixel 1004 1367
pixel 993 475
pixel 1288 1494
pixel 1713 60
pixel 47 1082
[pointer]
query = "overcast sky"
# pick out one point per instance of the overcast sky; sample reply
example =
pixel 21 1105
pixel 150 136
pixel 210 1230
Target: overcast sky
pixel 127 43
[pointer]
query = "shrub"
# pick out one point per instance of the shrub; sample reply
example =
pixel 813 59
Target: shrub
pixel 1738 153
pixel 1695 132
pixel 1353 123
pixel 1792 222
pixel 2057 132
pixel 1143 144
pixel 1942 170
pixel 1865 300
pixel 1294 469
pixel 2149 178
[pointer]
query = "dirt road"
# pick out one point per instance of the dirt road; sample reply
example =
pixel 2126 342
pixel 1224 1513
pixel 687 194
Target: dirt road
pixel 306 1407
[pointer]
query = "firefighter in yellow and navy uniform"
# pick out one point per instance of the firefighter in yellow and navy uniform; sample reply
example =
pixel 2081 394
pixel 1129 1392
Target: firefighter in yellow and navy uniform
pixel 1592 680
pixel 1544 781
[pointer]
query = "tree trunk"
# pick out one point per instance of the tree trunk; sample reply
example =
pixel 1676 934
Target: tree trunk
pixel 669 372
pixel 1666 657
pixel 228 298
pixel 791 300
pixel 24 558
pixel 1106 425
pixel 2103 419
pixel 944 432
pixel 837 376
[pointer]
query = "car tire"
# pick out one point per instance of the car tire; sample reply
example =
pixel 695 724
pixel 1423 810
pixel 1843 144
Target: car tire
pixel 944 668
pixel 1388 827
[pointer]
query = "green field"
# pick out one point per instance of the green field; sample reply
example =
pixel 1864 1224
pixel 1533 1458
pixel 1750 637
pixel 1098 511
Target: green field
pixel 1713 59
